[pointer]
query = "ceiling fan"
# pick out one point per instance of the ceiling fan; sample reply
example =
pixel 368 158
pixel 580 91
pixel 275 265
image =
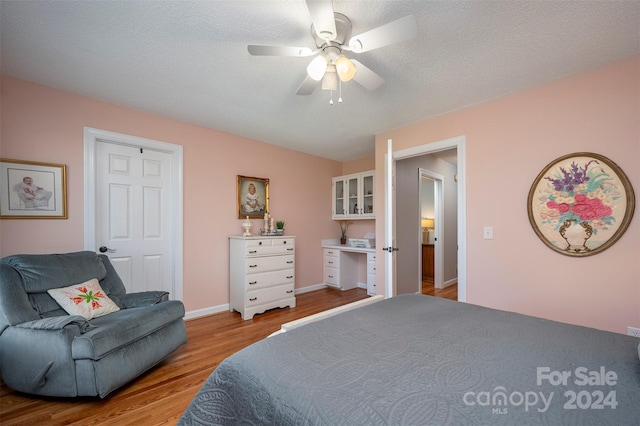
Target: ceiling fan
pixel 332 35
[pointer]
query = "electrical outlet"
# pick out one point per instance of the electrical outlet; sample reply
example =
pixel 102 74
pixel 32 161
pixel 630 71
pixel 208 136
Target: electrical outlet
pixel 633 331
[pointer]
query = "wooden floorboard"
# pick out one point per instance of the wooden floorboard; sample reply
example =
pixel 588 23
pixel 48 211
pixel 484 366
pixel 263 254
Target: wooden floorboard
pixel 449 292
pixel 160 396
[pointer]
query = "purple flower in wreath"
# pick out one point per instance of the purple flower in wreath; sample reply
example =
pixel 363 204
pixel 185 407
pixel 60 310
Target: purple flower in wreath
pixel 571 178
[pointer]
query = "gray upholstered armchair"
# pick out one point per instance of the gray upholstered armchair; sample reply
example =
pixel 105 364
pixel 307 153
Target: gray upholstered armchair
pixel 46 351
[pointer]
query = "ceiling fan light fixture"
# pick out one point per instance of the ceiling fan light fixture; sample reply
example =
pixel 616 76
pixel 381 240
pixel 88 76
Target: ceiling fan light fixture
pixel 316 68
pixel 345 68
pixel 330 79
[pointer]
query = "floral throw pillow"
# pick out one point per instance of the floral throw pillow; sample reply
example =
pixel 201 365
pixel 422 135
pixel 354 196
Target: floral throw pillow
pixel 86 299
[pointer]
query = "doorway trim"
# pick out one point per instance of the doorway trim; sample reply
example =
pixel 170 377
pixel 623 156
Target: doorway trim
pixel 91 138
pixel 459 143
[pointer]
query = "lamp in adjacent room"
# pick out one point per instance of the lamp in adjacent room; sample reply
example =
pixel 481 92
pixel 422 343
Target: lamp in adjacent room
pixel 426 224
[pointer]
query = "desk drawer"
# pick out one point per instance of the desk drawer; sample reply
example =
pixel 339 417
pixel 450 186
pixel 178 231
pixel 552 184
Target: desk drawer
pixel 331 277
pixel 371 268
pixel 331 262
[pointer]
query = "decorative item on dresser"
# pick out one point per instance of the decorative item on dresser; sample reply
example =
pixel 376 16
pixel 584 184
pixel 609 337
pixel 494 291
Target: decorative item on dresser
pixel 262 274
pixel 247 225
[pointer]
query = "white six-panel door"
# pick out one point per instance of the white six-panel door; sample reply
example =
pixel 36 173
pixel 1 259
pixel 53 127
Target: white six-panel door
pixel 133 214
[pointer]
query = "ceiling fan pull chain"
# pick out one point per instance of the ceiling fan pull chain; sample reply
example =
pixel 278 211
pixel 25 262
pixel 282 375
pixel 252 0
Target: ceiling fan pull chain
pixel 331 100
pixel 340 88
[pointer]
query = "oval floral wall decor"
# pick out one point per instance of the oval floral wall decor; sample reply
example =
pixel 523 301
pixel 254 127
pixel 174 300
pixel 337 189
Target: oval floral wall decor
pixel 580 204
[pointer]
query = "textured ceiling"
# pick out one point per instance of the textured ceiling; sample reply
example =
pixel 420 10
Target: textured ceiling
pixel 188 59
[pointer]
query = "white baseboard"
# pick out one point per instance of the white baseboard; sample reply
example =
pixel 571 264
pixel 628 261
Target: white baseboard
pixel 310 288
pixel 222 308
pixel 450 282
pixel 206 311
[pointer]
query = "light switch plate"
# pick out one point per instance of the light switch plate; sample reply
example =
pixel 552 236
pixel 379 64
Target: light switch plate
pixel 488 233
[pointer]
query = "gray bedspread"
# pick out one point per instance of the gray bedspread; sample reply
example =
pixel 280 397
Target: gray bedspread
pixel 420 360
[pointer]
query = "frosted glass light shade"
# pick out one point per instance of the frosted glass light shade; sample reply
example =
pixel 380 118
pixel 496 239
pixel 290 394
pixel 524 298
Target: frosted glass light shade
pixel 317 67
pixel 345 68
pixel 330 80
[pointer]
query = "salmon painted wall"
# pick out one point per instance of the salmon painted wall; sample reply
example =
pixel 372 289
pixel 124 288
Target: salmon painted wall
pixel 508 142
pixel 46 125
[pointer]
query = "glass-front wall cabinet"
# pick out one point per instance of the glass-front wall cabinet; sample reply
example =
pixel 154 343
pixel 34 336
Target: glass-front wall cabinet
pixel 353 196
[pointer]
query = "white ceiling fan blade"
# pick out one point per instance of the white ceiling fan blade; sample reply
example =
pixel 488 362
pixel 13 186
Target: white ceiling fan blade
pixel 321 12
pixel 400 30
pixel 307 86
pixel 258 50
pixel 365 77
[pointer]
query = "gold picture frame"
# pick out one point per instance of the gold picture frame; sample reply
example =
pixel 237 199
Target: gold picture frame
pixel 580 204
pixel 253 197
pixel 32 190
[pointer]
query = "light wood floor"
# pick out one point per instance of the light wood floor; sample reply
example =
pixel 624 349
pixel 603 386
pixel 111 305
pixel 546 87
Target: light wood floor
pixel 450 292
pixel 160 396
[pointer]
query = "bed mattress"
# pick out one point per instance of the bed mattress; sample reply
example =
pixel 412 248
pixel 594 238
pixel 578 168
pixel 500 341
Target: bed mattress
pixel 417 360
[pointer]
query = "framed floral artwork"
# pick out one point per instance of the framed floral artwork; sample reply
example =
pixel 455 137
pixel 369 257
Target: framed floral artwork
pixel 253 197
pixel 31 190
pixel 580 204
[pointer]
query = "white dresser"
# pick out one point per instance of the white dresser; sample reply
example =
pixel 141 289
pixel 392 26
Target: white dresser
pixel 262 274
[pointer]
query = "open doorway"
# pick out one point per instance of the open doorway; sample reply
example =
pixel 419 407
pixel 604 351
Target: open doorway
pixel 426 224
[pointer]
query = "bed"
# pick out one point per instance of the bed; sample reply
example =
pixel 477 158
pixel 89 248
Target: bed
pixel 419 360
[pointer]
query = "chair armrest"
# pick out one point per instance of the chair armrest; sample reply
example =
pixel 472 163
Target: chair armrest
pixel 58 323
pixel 144 298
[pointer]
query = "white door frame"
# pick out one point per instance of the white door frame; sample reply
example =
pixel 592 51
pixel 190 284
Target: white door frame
pixel 389 222
pixel 91 138
pixel 458 143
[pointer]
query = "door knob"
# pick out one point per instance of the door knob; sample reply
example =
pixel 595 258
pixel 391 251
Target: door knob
pixel 105 249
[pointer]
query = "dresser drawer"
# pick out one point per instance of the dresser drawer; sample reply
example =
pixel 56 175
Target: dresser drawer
pixel 269 294
pixel 273 263
pixel 269 279
pixel 266 247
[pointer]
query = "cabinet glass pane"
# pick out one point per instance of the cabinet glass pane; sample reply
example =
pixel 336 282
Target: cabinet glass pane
pixel 367 197
pixel 353 195
pixel 339 194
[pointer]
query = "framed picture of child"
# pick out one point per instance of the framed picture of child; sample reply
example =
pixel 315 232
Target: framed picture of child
pixel 31 190
pixel 253 197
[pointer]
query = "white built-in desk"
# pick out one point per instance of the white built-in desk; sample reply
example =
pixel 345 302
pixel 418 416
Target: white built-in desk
pixel 341 266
